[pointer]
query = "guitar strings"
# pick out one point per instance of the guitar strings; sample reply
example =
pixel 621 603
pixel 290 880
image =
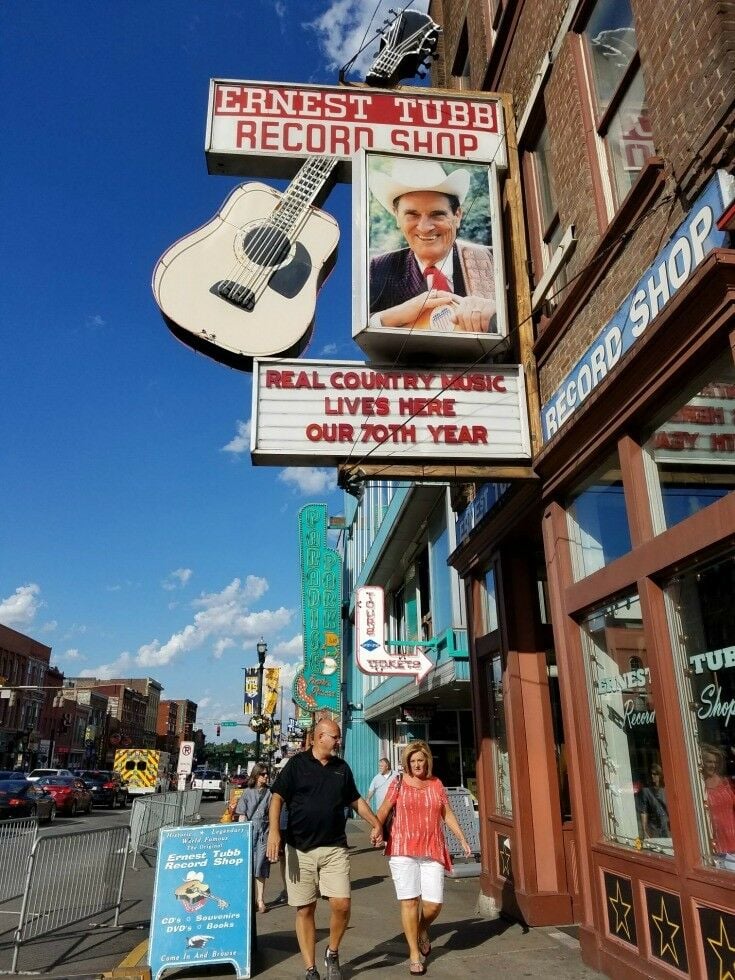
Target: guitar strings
pixel 288 219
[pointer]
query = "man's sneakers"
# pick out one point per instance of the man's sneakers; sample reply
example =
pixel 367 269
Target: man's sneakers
pixel 331 965
pixel 312 974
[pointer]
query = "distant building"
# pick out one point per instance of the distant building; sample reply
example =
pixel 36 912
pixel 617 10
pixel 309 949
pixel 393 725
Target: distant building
pixel 24 663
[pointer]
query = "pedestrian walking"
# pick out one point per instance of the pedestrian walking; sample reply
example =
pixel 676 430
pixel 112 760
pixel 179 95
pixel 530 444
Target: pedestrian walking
pixel 317 785
pixel 379 786
pixel 417 848
pixel 253 807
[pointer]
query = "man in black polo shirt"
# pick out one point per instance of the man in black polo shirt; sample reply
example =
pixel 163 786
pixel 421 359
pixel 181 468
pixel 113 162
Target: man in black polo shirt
pixel 317 785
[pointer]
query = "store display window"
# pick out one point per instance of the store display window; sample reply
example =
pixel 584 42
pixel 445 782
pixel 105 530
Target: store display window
pixel 597 519
pixel 501 761
pixel 701 614
pixel 690 453
pixel 633 792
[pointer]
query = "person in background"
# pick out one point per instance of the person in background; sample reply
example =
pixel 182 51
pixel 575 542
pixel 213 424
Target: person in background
pixel 654 805
pixel 317 785
pixel 417 848
pixel 253 806
pixel 379 786
pixel 720 798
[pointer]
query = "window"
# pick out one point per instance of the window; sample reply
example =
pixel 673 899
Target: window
pixel 702 624
pixel 598 522
pixel 619 100
pixel 491 602
pixel 545 231
pixel 461 66
pixel 501 761
pixel 633 794
pixel 690 449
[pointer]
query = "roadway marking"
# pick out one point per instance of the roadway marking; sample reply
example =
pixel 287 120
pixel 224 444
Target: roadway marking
pixel 135 956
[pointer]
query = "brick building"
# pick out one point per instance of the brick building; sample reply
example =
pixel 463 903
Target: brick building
pixel 24 663
pixel 599 596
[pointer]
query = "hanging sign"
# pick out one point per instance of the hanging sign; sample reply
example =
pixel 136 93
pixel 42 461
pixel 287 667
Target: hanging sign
pixel 262 129
pixel 370 650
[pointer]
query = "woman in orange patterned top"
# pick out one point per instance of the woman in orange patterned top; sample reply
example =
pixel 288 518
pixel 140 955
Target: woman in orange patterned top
pixel 417 849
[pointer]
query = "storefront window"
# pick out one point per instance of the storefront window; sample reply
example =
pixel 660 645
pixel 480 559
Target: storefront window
pixel 491 602
pixel 598 523
pixel 690 453
pixel 702 623
pixel 633 791
pixel 494 680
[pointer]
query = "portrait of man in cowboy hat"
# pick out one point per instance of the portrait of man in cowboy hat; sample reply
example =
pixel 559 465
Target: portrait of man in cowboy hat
pixel 438 281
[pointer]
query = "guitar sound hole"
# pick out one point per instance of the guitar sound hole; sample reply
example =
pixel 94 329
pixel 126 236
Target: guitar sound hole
pixel 266 246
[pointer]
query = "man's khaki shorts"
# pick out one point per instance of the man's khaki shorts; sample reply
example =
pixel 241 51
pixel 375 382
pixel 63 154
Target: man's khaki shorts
pixel 322 871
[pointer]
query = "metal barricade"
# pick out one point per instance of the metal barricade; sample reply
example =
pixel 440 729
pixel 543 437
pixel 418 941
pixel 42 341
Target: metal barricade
pixel 151 813
pixel 70 878
pixel 17 838
pixel 465 809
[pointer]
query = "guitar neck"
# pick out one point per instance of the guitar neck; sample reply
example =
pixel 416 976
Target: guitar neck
pixel 302 192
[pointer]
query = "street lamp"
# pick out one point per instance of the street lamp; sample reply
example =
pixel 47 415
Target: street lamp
pixel 261 648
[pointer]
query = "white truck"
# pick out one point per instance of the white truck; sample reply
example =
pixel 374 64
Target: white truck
pixel 143 770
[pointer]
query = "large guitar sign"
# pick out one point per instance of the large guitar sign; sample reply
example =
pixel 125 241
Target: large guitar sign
pixel 245 284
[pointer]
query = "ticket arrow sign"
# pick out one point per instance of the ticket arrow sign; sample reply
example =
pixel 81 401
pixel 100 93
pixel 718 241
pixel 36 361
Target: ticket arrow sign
pixel 371 647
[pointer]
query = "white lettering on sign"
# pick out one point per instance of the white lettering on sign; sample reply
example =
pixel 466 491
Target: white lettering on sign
pixel 253 118
pixel 624 682
pixel 634 716
pixel 713 660
pixel 712 705
pixel 310 410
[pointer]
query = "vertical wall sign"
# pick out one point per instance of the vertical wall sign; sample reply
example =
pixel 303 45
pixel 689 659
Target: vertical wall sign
pixel 370 651
pixel 318 684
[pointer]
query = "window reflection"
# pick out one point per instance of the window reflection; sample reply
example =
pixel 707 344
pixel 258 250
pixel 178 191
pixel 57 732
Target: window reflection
pixel 494 680
pixel 633 796
pixel 692 448
pixel 598 522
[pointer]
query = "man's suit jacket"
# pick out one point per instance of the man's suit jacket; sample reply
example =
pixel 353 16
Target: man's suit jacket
pixel 396 277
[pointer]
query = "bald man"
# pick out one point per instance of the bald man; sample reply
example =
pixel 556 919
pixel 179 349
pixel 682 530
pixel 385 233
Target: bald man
pixel 317 785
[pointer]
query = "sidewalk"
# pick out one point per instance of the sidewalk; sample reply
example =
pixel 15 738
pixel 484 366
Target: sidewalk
pixel 463 944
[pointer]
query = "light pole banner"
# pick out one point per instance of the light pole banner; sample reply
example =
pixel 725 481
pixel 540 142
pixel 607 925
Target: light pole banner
pixel 271 683
pixel 251 705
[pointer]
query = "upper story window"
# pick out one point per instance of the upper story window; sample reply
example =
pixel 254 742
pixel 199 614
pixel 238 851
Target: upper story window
pixel 461 66
pixel 544 228
pixel 619 99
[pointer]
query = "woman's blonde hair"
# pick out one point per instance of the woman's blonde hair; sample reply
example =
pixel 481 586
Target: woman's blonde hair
pixel 418 745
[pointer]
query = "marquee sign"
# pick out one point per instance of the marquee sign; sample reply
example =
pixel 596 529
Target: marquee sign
pixel 264 128
pixel 325 412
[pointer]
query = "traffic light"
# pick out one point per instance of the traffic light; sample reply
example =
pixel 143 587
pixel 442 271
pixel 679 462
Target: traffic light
pixel 217 730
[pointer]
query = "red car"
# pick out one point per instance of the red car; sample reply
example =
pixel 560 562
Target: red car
pixel 69 792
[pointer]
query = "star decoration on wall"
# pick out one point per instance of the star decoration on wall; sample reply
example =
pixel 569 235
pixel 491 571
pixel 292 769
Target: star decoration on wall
pixel 724 953
pixel 619 904
pixel 666 930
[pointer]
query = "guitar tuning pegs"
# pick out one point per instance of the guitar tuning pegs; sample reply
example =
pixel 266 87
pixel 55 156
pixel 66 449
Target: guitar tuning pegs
pixel 392 11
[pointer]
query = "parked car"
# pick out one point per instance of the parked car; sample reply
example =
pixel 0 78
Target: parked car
pixel 106 787
pixel 9 774
pixel 69 792
pixel 21 798
pixel 35 774
pixel 240 780
pixel 210 782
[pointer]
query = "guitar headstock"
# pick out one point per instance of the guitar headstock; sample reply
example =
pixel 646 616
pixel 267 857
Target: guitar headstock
pixel 407 44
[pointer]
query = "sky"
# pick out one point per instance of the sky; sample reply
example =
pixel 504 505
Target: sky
pixel 136 538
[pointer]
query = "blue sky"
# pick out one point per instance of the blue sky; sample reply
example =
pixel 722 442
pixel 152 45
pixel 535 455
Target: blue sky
pixel 136 537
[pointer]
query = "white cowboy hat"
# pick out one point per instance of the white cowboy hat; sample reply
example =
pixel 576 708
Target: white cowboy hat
pixel 418 175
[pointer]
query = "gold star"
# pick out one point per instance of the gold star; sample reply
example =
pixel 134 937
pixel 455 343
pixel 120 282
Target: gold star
pixel 621 921
pixel 729 973
pixel 672 929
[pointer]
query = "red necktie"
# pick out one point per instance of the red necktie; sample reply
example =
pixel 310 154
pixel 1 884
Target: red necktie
pixel 436 279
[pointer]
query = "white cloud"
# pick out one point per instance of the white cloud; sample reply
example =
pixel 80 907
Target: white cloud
pixel 73 654
pixel 177 579
pixel 290 649
pixel 309 479
pixel 50 626
pixel 19 609
pixel 95 320
pixel 241 442
pixel 224 620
